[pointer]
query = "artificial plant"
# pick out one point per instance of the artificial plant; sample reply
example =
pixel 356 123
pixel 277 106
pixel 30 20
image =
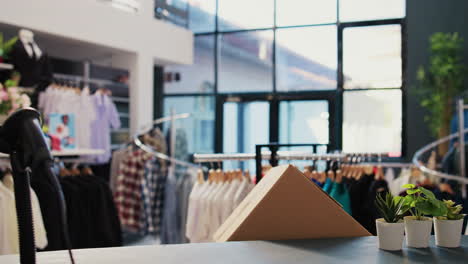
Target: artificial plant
pixel 421 202
pixel 453 211
pixel 390 207
pixel 441 81
pixel 6 46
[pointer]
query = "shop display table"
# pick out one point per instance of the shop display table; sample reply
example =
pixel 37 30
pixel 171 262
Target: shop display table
pixel 343 250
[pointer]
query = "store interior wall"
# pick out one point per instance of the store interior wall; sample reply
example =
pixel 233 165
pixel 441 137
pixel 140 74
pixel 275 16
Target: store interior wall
pixel 93 31
pixel 425 17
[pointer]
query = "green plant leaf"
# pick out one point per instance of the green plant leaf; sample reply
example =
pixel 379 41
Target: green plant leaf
pixel 413 191
pixel 427 193
pixel 409 186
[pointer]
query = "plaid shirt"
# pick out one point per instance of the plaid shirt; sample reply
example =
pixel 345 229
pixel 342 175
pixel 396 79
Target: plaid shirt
pixel 128 196
pixel 153 196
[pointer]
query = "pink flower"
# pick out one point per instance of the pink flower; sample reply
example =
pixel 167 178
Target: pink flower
pixel 3 95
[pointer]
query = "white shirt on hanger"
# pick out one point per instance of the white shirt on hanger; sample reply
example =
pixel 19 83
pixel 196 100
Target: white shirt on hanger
pixel 192 210
pixel 216 208
pixel 227 200
pixel 240 194
pixel 204 217
pixel 9 237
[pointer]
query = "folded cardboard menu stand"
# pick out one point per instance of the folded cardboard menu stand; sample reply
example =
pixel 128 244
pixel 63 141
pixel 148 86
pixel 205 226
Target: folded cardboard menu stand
pixel 287 205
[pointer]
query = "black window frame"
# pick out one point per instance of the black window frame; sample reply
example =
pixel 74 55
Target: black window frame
pixel 334 97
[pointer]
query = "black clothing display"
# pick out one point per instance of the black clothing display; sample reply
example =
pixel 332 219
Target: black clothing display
pixel 45 192
pixel 377 187
pixel 92 217
pixel 358 193
pixel 35 72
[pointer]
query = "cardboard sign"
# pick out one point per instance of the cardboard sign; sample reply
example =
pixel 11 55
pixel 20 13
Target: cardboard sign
pixel 287 205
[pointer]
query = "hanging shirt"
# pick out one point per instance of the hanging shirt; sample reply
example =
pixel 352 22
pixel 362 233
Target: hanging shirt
pixel 128 195
pixel 194 211
pixel 389 175
pixel 117 157
pixel 84 119
pixel 243 190
pixel 169 230
pixel 107 117
pixel 227 200
pixel 327 186
pixel 341 195
pixel 9 236
pixel 396 185
pixel 185 184
pixel 216 208
pixel 205 220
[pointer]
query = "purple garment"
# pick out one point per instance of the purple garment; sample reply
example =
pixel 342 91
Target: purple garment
pixel 106 117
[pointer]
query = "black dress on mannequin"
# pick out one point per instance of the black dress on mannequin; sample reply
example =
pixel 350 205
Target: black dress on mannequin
pixel 35 72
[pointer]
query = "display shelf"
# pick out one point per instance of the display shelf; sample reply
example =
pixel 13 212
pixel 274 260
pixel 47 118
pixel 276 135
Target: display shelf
pixel 6 66
pixel 70 153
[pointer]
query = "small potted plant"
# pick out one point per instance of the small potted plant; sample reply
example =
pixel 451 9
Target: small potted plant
pixel 448 228
pixel 390 228
pixel 420 202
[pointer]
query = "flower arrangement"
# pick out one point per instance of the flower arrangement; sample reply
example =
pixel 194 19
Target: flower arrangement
pixel 11 100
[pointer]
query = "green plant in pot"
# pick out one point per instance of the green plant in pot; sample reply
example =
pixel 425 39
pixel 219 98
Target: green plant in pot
pixel 390 228
pixel 421 203
pixel 448 227
pixel 6 47
pixel 441 81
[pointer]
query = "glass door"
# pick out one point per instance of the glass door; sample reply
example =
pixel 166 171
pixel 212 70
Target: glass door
pixel 245 124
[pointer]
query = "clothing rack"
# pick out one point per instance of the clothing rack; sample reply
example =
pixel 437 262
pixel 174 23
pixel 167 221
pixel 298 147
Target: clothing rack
pixel 399 165
pixel 461 136
pixel 145 129
pixel 279 155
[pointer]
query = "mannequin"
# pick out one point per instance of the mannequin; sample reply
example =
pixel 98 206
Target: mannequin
pixel 32 63
pixel 27 39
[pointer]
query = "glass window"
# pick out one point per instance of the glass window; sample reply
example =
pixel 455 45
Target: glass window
pixel 174 11
pixel 196 78
pixel 356 10
pixel 245 62
pixel 196 133
pixel 202 15
pixel 372 121
pixel 372 57
pixel 245 14
pixel 245 125
pixel 304 122
pixel 305 12
pixel 306 58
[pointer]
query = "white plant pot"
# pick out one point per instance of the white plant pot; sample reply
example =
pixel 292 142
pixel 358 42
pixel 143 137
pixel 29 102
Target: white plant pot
pixel 448 232
pixel 418 232
pixel 390 234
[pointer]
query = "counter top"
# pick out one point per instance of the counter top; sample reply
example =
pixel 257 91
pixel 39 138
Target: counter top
pixel 342 250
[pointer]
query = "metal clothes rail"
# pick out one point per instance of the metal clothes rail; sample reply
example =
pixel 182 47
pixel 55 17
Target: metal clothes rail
pixel 461 136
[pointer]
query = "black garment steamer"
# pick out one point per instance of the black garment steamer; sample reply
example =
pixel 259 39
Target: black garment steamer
pixel 21 137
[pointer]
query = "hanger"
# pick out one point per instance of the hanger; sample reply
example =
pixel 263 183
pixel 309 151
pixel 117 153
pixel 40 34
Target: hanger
pixel 331 175
pixel 238 175
pixel 87 171
pixel 64 172
pixel 338 176
pixel 200 178
pixel 211 175
pixel 219 176
pixel 247 176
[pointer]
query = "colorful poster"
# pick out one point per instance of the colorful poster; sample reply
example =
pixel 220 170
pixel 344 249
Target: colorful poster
pixel 62 128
